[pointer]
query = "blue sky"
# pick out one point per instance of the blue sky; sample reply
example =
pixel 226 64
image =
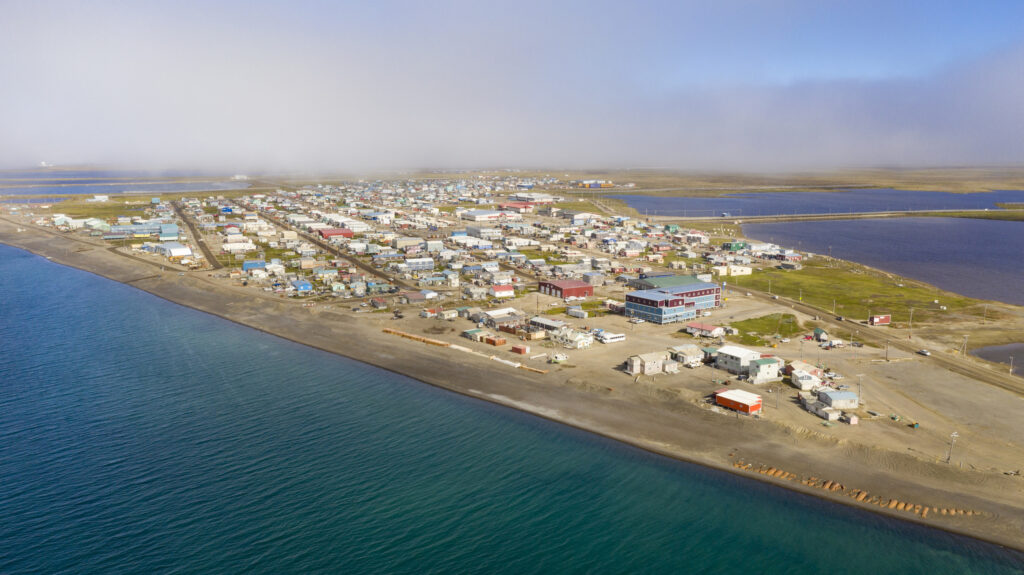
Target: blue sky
pixel 770 85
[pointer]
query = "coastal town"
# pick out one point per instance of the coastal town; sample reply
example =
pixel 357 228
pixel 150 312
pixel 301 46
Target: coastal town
pixel 533 287
pixel 535 279
pixel 493 266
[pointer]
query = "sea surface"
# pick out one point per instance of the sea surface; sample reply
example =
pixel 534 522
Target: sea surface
pixel 973 257
pixel 76 187
pixel 139 436
pixel 846 201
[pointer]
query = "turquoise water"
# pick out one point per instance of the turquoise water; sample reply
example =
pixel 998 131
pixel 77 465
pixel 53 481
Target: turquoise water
pixel 138 436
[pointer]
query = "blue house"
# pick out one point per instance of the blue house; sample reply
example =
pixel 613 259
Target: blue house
pixel 302 286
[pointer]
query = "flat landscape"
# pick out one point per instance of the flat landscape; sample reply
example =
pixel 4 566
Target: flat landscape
pixel 898 459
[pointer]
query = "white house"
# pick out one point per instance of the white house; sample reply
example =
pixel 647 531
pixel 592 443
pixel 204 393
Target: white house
pixel 735 359
pixel 647 363
pixel 502 291
pixel 804 381
pixel 572 339
pixel 764 370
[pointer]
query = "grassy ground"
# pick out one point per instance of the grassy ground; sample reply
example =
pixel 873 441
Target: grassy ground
pixel 578 205
pixel 77 206
pixel 761 330
pixel 1015 215
pixel 855 291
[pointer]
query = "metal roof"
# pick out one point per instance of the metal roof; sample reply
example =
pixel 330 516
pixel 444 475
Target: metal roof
pixel 738 395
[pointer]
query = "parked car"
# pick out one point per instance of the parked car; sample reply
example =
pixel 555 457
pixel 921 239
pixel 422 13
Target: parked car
pixel 924 352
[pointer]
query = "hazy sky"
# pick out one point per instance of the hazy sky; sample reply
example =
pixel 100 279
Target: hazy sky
pixel 757 85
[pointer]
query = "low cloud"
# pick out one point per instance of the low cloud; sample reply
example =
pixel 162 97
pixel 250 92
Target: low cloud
pixel 251 91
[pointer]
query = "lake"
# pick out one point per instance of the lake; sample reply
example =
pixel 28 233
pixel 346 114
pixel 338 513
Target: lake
pixel 973 257
pixel 846 201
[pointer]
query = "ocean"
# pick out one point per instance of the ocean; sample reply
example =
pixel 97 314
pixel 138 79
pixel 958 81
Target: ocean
pixel 103 188
pixel 139 436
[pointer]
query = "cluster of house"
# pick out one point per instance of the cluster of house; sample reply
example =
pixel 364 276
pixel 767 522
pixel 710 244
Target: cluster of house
pixel 816 394
pixel 157 232
pixel 475 254
pixel 514 322
pixel 446 235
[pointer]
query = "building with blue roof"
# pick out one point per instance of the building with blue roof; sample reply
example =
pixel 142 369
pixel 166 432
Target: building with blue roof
pixel 839 399
pixel 168 232
pixel 673 304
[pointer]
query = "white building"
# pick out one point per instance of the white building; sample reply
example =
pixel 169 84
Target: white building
pixel 651 363
pixel 735 359
pixel 173 250
pixel 572 339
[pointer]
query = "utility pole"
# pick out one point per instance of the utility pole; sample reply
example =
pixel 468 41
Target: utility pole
pixel 1011 365
pixel 860 388
pixel 911 336
pixel 833 307
pixel 984 316
pixel 952 442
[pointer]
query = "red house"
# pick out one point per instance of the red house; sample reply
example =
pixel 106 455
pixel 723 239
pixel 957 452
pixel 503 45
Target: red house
pixel 880 320
pixel 332 232
pixel 566 288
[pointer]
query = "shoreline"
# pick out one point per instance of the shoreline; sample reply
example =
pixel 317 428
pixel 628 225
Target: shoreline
pixel 693 436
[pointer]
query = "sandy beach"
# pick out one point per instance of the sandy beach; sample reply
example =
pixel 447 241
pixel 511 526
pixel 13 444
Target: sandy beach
pixel 980 502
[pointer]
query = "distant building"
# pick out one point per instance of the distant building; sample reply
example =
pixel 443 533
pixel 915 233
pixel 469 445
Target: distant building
pixel 880 319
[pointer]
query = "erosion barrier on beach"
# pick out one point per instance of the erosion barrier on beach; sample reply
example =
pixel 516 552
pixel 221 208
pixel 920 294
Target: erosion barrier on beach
pixel 440 343
pixel 857 495
pixel 418 338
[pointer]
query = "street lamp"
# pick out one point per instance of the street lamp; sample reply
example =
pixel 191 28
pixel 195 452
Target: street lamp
pixel 952 442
